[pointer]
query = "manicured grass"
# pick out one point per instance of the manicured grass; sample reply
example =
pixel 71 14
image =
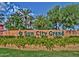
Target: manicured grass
pixel 5 52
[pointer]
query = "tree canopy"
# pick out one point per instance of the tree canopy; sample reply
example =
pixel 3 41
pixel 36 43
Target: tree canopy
pixel 57 18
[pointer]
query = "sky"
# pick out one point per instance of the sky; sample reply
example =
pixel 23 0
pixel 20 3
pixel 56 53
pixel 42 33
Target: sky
pixel 41 7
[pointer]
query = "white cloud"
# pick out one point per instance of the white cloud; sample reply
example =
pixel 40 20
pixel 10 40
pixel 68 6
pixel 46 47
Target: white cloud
pixel 32 14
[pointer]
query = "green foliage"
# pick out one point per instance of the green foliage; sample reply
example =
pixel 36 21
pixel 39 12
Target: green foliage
pixel 19 20
pixel 42 23
pixel 20 42
pixel 67 16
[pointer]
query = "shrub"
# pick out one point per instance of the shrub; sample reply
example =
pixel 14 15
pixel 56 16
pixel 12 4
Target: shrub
pixel 49 43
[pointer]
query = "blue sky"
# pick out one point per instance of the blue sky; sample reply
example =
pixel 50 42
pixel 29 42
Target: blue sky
pixel 41 7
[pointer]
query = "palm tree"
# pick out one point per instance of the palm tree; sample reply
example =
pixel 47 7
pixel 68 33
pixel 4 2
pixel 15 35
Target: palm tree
pixel 27 19
pixel 19 20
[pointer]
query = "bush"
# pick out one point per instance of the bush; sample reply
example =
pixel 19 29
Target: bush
pixel 20 42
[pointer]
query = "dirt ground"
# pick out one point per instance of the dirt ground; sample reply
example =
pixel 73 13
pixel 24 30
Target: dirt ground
pixel 36 48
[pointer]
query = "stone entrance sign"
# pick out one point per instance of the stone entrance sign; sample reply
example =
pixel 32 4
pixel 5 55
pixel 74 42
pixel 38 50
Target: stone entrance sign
pixel 40 33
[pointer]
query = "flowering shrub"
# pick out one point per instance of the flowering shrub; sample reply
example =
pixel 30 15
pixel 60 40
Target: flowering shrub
pixel 49 43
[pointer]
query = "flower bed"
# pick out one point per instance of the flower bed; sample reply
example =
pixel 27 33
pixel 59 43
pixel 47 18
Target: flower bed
pixel 44 43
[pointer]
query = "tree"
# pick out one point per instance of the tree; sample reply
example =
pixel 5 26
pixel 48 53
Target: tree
pixel 70 15
pixel 66 16
pixel 54 15
pixel 27 18
pixel 19 20
pixel 42 23
pixel 14 22
pixel 2 18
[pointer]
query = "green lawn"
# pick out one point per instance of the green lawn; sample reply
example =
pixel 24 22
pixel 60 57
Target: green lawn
pixel 5 52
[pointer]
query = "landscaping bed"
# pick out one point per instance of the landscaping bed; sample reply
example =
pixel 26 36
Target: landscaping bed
pixel 47 44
